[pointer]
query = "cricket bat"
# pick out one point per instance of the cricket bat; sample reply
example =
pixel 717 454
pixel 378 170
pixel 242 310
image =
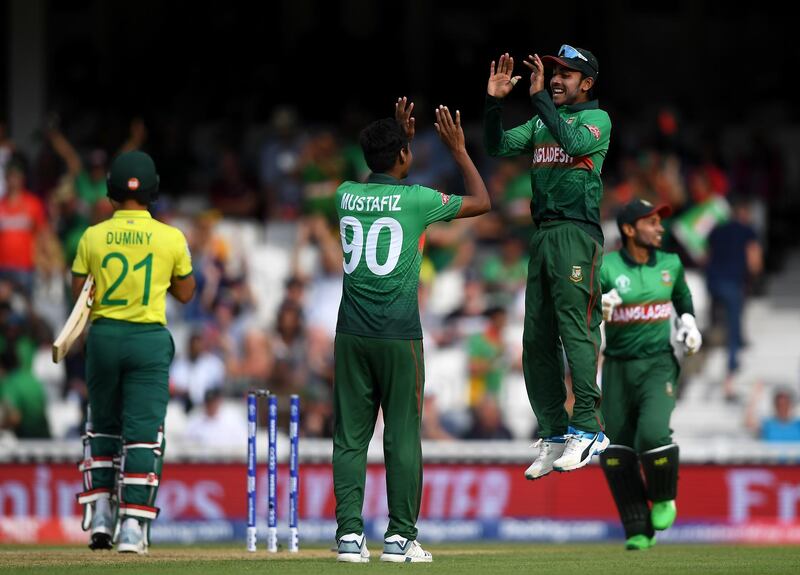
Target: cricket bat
pixel 75 322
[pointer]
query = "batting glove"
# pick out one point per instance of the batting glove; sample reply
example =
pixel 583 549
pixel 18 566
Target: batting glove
pixel 688 334
pixel 610 300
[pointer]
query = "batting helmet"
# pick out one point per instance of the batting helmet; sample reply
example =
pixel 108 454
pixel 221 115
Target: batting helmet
pixel 133 176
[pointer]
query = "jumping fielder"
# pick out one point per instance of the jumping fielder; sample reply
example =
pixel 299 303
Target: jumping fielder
pixel 135 261
pixel 641 287
pixel 568 139
pixel 378 348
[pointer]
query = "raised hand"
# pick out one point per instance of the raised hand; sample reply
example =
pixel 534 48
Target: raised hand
pixel 537 73
pixel 450 131
pixel 501 81
pixel 402 113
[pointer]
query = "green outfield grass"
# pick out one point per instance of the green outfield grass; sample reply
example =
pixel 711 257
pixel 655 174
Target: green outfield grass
pixel 483 559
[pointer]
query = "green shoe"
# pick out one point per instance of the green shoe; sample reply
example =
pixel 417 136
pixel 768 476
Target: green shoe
pixel 639 542
pixel 663 514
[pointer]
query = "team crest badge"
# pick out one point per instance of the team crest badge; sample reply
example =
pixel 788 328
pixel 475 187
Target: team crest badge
pixel 577 274
pixel 623 283
pixel 666 278
pixel 594 130
pixel 445 198
pixel 570 120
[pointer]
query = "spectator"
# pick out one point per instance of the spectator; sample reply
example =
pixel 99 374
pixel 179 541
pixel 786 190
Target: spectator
pixel 24 231
pixel 214 425
pixel 192 376
pixel 279 166
pixel 782 425
pixel 487 421
pixel 6 151
pixel 734 256
pixel 252 369
pixel 487 365
pixel 290 348
pixel 23 401
pixel 90 184
pixel 232 193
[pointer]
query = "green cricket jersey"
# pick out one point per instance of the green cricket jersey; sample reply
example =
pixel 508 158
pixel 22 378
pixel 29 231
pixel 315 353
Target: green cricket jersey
pixel 640 326
pixel 568 145
pixel 382 225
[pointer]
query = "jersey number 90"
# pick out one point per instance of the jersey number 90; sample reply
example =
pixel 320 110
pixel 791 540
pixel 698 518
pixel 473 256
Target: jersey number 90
pixel 355 247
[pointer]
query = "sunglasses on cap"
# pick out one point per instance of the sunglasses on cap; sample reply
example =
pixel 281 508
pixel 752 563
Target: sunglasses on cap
pixel 568 51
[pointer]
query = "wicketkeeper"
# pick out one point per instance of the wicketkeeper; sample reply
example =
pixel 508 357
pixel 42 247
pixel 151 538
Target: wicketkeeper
pixel 642 285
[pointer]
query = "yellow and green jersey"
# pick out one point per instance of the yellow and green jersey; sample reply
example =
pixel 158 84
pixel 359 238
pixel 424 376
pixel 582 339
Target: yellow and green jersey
pixel 640 326
pixel 568 145
pixel 381 224
pixel 133 259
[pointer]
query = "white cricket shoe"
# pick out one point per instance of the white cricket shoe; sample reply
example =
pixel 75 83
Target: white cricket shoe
pixel 352 548
pixel 131 537
pixel 580 448
pixel 550 449
pixel 102 529
pixel 397 549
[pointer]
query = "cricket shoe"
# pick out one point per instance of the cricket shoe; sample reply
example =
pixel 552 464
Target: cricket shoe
pixel 352 548
pixel 663 514
pixel 579 449
pixel 550 449
pixel 131 537
pixel 397 549
pixel 102 525
pixel 639 542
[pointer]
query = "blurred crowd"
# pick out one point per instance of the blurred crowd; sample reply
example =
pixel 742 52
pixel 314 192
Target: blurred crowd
pixel 285 176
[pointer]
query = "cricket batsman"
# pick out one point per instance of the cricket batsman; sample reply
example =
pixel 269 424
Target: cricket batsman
pixel 568 139
pixel 642 285
pixel 135 261
pixel 379 361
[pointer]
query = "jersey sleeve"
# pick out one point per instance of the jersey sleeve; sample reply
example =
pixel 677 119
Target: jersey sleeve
pixel 436 206
pixel 183 259
pixel 589 135
pixel 502 143
pixel 606 284
pixel 681 296
pixel 80 265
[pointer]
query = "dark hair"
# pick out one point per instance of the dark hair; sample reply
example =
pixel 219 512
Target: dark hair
pixel 381 141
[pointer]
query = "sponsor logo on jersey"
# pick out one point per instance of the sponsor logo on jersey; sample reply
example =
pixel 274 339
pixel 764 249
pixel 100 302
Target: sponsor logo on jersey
pixel 570 120
pixel 666 277
pixel 594 130
pixel 553 156
pixel 356 203
pixel 642 313
pixel 623 283
pixel 133 184
pixel 445 198
pixel 576 275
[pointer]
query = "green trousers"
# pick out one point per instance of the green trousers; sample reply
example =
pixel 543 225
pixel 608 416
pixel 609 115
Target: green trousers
pixel 127 369
pixel 373 373
pixel 638 399
pixel 563 311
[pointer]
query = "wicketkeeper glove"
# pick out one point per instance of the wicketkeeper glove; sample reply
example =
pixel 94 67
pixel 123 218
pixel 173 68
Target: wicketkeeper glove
pixel 688 334
pixel 610 300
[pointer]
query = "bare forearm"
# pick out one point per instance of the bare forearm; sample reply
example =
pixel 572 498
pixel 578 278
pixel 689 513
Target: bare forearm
pixel 477 200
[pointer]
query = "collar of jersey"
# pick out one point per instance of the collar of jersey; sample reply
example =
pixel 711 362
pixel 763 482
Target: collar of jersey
pixel 651 261
pixel 383 179
pixel 590 105
pixel 133 214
